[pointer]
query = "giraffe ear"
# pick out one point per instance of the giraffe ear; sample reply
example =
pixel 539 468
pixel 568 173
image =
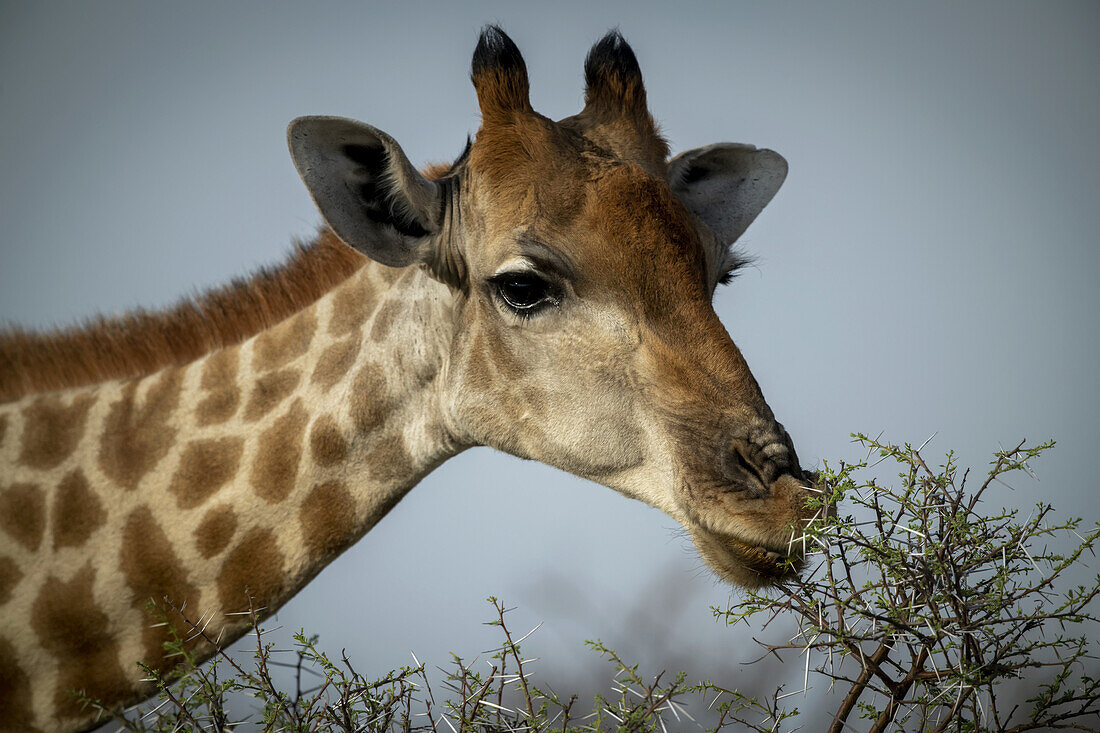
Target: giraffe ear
pixel 366 188
pixel 727 185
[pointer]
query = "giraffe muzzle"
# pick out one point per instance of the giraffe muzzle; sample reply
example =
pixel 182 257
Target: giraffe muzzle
pixel 747 524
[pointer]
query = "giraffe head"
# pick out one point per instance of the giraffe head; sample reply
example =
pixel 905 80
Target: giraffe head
pixel 582 264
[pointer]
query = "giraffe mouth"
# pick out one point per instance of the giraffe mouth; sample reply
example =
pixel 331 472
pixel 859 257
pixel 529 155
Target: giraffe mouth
pixel 760 558
pixel 746 563
pixel 752 542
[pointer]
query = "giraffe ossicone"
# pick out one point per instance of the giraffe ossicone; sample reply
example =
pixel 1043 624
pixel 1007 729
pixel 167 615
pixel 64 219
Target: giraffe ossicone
pixel 548 294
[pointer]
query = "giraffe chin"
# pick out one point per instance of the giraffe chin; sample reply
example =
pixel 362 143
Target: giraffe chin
pixel 744 563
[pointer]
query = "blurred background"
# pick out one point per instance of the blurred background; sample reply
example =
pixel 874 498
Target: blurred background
pixel 929 266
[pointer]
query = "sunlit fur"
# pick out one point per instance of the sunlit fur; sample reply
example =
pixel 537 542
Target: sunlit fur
pixel 141 342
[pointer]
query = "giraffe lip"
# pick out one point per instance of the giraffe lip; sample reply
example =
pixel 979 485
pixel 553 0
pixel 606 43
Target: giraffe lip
pixel 763 549
pixel 766 563
pixel 761 556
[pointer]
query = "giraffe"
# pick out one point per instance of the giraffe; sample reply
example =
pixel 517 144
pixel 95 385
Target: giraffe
pixel 548 294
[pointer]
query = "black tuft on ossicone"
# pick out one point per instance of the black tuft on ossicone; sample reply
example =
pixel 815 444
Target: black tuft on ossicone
pixel 499 74
pixel 614 97
pixel 496 51
pixel 611 58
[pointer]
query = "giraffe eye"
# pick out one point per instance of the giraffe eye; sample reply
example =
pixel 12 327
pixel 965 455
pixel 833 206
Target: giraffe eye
pixel 524 292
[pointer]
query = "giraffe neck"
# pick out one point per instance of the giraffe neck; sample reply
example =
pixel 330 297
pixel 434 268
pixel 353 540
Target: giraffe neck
pixel 223 484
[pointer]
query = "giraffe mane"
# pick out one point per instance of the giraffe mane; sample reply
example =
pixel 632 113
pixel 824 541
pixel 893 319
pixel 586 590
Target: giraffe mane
pixel 141 341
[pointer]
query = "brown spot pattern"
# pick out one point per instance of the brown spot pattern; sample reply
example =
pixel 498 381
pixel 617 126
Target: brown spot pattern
pixel 52 429
pixel 10 575
pixel 72 627
pixel 389 460
pixel 370 405
pixel 154 573
pixel 253 569
pixel 219 380
pixel 278 346
pixel 351 305
pixel 335 362
pixel 205 466
pixel 135 438
pixel 328 519
pixel 326 443
pixel 76 512
pixel 270 390
pixel 23 514
pixel 16 695
pixel 384 318
pixel 280 449
pixel 213 534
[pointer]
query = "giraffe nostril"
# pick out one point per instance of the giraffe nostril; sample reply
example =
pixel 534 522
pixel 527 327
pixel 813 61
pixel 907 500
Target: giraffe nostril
pixel 741 467
pixel 763 461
